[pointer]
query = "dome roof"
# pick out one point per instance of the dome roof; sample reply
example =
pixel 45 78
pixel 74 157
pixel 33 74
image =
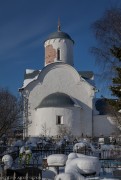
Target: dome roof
pixel 59 34
pixel 56 100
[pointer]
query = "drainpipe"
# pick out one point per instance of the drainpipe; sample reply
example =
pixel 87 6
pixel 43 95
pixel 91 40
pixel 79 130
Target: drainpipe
pixel 92 125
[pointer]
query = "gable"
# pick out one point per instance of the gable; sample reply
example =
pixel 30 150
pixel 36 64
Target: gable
pixel 32 75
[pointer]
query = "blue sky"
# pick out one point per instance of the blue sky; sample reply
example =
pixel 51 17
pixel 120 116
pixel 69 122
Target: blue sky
pixel 24 24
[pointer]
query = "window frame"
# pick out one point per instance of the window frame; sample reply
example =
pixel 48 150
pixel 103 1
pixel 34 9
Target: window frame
pixel 59 120
pixel 58 54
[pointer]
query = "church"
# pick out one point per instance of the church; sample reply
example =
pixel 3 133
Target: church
pixel 60 97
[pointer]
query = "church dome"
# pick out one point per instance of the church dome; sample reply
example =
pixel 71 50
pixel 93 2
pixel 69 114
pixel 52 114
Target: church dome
pixel 56 100
pixel 59 34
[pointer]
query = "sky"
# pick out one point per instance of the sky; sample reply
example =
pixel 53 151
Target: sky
pixel 25 24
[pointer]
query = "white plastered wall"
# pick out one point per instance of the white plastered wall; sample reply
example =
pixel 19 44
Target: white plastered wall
pixel 66 49
pixel 45 121
pixel 62 78
pixel 103 125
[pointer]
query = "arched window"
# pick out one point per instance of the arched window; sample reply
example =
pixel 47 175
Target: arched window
pixel 58 54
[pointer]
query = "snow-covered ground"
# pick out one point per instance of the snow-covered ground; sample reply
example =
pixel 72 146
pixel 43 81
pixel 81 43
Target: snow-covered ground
pixel 74 166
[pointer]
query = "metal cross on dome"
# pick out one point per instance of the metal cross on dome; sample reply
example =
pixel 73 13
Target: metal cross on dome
pixel 59 25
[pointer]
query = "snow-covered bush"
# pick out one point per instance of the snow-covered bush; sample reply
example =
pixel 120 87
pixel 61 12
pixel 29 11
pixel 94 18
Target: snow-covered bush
pixel 84 146
pixel 57 159
pixel 79 146
pixel 83 164
pixel 69 176
pixel 7 160
pixel 72 156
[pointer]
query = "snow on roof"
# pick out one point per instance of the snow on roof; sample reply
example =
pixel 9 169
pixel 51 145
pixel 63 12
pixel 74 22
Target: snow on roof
pixel 86 74
pixel 29 76
pixel 29 71
pixel 27 81
pixel 57 159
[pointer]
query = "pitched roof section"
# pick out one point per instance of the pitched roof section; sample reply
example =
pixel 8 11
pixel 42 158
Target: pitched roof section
pixel 101 106
pixel 31 74
pixel 86 74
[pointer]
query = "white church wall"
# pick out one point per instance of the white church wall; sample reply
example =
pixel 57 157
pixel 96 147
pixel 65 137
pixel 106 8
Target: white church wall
pixel 58 75
pixel 45 121
pixel 102 125
pixel 79 119
pixel 61 78
pixel 66 49
pixel 65 79
pixel 86 116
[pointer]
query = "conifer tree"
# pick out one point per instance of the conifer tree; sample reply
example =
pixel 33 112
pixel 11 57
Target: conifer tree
pixel 116 81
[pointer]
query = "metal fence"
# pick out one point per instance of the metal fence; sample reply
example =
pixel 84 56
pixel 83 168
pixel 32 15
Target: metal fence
pixel 110 159
pixel 44 152
pixel 27 173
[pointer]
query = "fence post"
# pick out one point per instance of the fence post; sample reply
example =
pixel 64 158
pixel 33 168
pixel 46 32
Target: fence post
pixel 26 176
pixel 14 176
pixel 40 176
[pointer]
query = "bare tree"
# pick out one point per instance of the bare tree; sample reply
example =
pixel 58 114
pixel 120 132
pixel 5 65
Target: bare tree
pixel 45 130
pixel 113 113
pixel 64 131
pixel 10 111
pixel 107 31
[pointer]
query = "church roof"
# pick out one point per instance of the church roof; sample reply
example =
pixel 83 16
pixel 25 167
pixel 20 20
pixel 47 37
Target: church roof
pixel 86 74
pixel 56 100
pixel 31 74
pixel 59 34
pixel 101 106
